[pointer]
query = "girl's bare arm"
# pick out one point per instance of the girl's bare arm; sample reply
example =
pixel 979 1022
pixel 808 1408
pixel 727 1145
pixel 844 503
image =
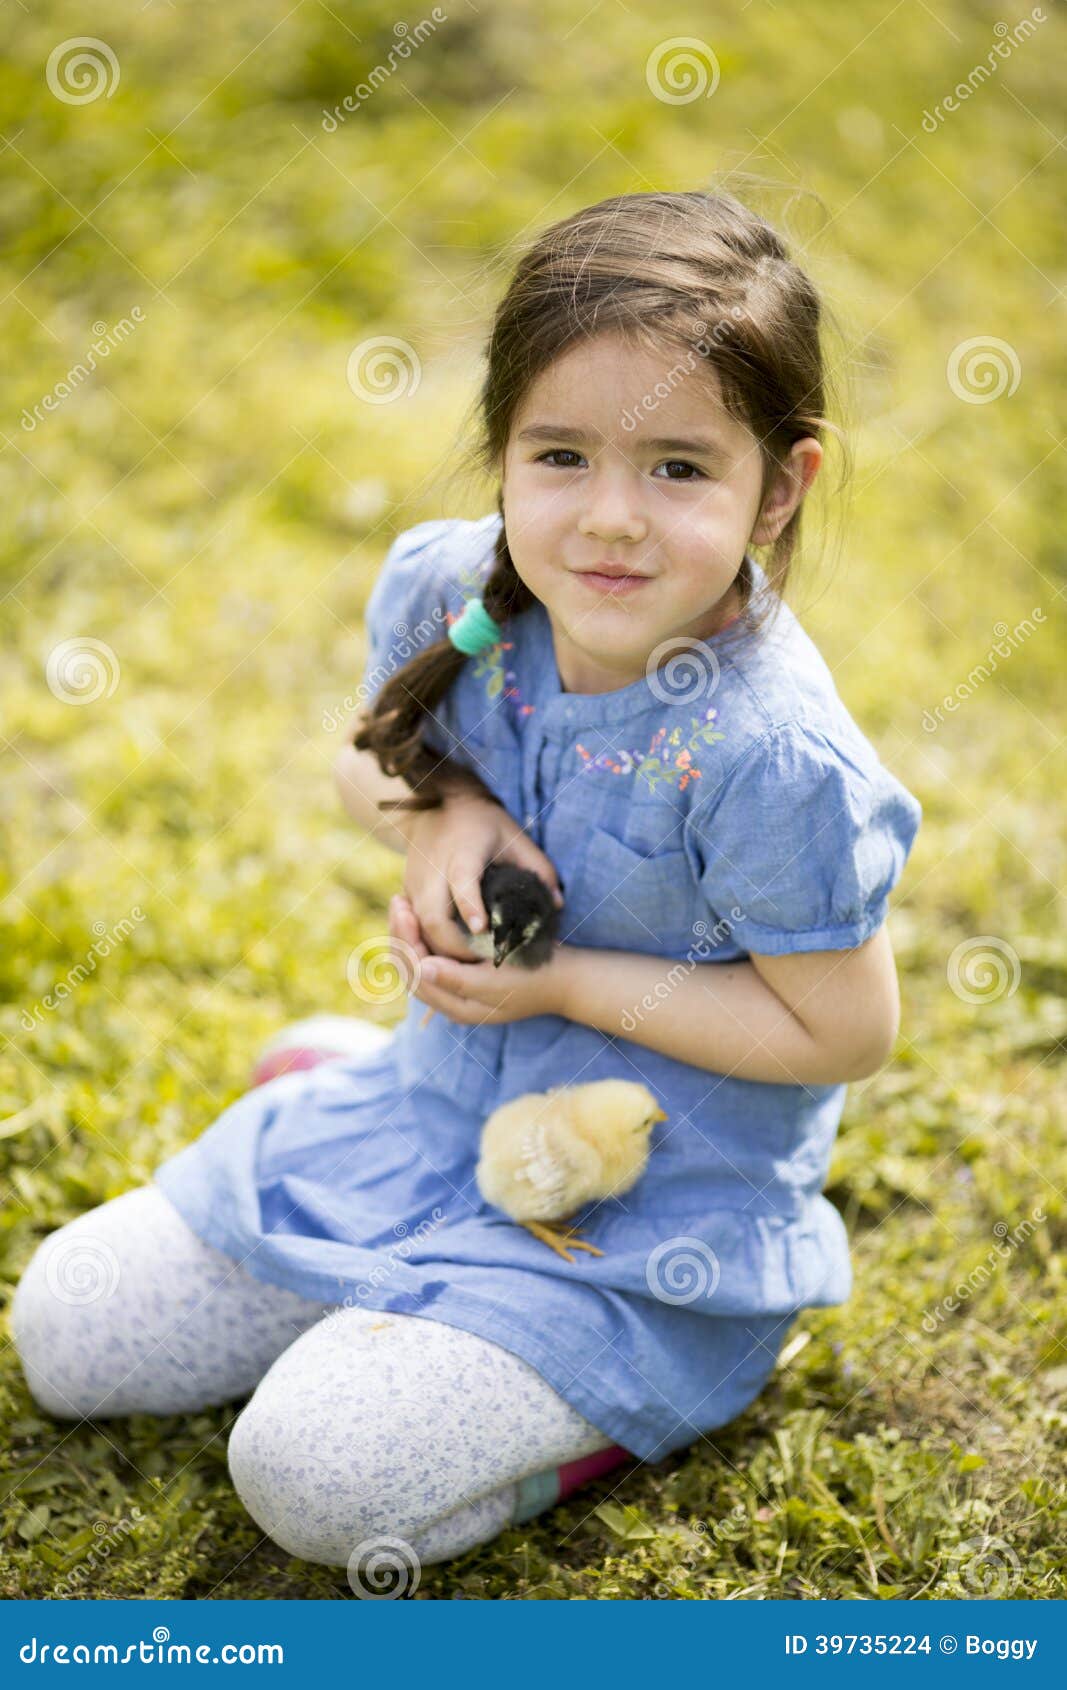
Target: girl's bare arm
pixel 813 1018
pixel 361 784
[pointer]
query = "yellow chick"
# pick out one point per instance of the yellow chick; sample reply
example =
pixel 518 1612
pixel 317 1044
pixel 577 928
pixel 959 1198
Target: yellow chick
pixel 546 1154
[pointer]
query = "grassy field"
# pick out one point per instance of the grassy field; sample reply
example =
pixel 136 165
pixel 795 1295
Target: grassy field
pixel 212 502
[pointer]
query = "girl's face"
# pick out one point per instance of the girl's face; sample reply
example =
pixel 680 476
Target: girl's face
pixel 619 459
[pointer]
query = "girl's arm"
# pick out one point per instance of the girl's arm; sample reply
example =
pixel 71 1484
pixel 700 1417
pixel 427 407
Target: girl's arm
pixel 810 1018
pixel 446 848
pixel 361 784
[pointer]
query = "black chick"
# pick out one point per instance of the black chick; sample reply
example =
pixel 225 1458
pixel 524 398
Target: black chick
pixel 523 919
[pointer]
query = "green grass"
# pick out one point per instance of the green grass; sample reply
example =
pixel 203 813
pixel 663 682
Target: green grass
pixel 213 503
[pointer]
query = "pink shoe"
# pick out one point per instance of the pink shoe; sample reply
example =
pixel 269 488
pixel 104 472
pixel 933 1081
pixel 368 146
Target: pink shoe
pixel 539 1491
pixel 318 1038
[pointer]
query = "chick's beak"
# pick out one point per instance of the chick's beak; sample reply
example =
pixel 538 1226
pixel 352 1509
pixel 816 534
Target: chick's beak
pixel 661 1115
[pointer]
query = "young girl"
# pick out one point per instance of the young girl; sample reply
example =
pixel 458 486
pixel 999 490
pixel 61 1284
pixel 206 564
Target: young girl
pixel 606 686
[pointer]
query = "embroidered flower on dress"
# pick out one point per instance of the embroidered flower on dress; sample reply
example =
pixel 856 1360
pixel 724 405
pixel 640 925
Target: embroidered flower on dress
pixel 500 681
pixel 666 759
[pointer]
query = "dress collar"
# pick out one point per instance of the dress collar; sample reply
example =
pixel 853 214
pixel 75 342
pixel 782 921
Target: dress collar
pixel 560 711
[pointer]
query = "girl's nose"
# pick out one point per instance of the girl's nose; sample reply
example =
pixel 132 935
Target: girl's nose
pixel 612 510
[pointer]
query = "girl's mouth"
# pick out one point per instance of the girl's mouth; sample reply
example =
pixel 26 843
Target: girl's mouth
pixel 613 583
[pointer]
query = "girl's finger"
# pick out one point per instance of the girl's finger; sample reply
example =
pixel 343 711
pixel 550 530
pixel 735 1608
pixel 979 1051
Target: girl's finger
pixel 466 889
pixel 448 1003
pixel 439 972
pixel 404 920
pixel 404 926
pixel 435 905
pixel 467 982
pixel 438 929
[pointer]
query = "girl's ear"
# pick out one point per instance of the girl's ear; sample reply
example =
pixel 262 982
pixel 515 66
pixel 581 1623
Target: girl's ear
pixel 787 490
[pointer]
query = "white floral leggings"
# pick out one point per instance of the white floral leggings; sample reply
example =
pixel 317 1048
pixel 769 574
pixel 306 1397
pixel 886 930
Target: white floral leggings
pixel 362 1428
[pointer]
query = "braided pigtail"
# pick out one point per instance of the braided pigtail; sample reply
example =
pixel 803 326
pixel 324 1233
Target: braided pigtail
pixel 392 726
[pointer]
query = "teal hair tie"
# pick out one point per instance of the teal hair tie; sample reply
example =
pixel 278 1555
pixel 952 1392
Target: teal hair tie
pixel 474 630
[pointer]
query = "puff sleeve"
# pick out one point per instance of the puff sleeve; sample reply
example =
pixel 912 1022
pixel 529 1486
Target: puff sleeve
pixel 406 610
pixel 801 845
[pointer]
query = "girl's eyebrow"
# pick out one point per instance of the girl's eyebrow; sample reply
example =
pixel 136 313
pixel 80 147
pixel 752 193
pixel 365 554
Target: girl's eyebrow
pixel 698 446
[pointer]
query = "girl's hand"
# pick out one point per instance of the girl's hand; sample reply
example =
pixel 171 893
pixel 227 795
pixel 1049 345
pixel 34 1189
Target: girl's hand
pixel 479 992
pixel 448 850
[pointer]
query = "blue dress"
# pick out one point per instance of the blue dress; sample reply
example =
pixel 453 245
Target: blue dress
pixel 736 811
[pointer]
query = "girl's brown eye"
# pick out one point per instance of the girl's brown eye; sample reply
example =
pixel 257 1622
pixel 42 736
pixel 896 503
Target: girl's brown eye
pixel 679 463
pixel 559 452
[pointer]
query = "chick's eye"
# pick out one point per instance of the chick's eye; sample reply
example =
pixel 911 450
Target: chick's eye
pixel 680 463
pixel 560 452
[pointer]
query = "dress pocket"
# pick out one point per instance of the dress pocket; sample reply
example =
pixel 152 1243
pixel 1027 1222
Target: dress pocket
pixel 625 900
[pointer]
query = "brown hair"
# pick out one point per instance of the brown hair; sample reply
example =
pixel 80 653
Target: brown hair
pixel 697 271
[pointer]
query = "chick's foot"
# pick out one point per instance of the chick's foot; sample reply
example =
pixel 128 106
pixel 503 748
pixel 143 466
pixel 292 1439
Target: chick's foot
pixel 560 1240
